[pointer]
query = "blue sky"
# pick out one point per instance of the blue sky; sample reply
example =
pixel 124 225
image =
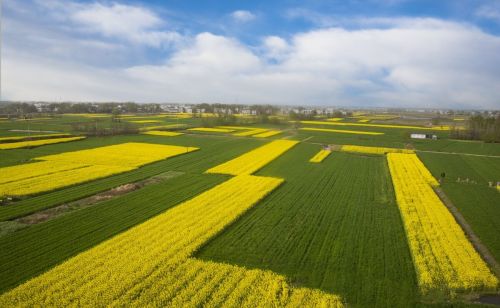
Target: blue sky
pixel 393 53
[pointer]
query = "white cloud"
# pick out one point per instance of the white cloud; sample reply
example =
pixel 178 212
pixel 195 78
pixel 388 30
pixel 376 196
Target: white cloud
pixel 129 23
pixel 243 16
pixel 275 47
pixel 490 11
pixel 133 23
pixel 384 62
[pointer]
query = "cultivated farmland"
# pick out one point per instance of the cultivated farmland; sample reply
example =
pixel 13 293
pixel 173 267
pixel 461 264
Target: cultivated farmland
pixel 182 211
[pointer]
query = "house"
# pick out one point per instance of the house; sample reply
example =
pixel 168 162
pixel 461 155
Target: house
pixel 424 136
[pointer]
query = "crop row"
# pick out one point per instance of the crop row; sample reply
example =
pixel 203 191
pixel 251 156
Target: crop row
pixel 70 168
pixel 320 156
pixel 214 152
pixel 151 262
pixel 444 258
pixel 252 161
pixel 34 143
pixel 373 150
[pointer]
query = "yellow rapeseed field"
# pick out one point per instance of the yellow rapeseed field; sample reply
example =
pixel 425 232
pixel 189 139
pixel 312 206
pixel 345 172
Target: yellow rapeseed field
pixel 343 131
pixel 444 258
pixel 373 150
pixel 211 130
pixel 268 134
pixel 14 138
pixel 236 127
pixel 254 131
pixel 89 115
pixel 375 125
pixel 35 143
pixel 144 121
pixel 167 126
pixel 320 156
pixel 252 161
pixel 51 181
pixel 131 154
pixel 31 170
pixel 152 265
pixel 69 168
pixel 162 133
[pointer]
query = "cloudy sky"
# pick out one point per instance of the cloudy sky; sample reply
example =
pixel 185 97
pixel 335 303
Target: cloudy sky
pixel 396 53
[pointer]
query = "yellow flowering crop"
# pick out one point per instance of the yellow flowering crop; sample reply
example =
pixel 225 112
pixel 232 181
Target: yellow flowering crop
pixel 144 121
pixel 64 178
pixel 151 264
pixel 155 127
pixel 35 143
pixel 211 130
pixel 375 125
pixel 178 115
pixel 343 131
pixel 268 134
pixel 131 154
pixel 162 133
pixel 373 150
pixel 236 127
pixel 444 258
pixel 69 168
pixel 254 160
pixel 254 131
pixel 15 138
pixel 32 170
pixel 335 119
pixel 320 156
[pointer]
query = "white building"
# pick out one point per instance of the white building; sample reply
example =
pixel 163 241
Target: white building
pixel 423 136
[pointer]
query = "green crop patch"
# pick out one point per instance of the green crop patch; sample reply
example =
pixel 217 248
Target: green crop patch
pixel 333 226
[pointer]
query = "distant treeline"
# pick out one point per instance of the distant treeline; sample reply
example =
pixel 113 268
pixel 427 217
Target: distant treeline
pixel 480 128
pixel 25 108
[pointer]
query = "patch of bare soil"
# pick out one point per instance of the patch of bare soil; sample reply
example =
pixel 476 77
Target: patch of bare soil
pixel 489 299
pixel 62 209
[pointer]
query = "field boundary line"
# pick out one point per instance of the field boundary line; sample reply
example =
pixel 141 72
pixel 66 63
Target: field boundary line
pixel 455 153
pixel 90 201
pixel 483 251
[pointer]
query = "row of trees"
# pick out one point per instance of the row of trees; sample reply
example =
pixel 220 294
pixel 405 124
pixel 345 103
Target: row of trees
pixel 480 127
pixel 22 109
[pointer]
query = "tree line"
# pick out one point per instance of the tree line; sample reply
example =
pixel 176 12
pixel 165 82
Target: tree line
pixel 479 127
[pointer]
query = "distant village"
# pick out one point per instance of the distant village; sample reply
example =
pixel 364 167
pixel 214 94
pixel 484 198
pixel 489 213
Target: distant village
pixel 227 109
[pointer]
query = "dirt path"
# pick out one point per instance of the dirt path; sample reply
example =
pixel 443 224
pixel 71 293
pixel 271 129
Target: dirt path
pixel 454 153
pixel 476 242
pixel 51 213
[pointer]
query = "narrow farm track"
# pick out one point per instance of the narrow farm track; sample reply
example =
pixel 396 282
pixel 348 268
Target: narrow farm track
pixel 473 238
pixel 211 153
pixel 31 251
pixel 455 153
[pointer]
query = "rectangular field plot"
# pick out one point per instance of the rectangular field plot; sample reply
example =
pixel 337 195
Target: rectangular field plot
pixel 445 260
pixel 151 263
pixel 69 168
pixel 320 156
pixel 131 154
pixel 35 143
pixel 333 226
pixel 214 153
pixel 466 183
pixel 252 161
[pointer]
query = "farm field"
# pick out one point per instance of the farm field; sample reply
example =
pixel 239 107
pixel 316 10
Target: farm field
pixel 312 232
pixel 474 198
pixel 244 215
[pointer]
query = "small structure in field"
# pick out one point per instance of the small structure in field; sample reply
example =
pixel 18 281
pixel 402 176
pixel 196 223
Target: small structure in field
pixel 424 136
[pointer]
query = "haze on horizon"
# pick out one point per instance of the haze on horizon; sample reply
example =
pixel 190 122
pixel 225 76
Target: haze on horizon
pixel 391 53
